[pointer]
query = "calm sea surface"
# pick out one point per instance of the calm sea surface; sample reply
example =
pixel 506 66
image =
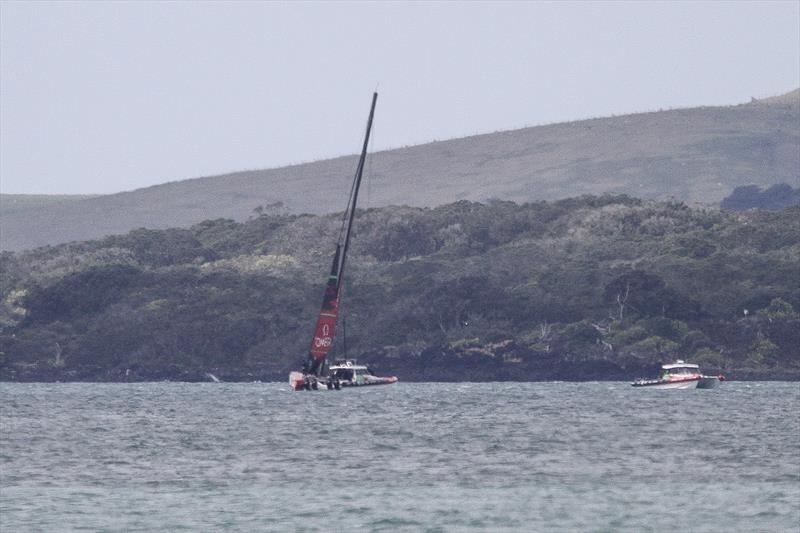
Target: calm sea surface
pixel 415 457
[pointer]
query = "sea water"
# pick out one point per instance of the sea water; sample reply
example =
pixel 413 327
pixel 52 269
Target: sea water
pixel 410 456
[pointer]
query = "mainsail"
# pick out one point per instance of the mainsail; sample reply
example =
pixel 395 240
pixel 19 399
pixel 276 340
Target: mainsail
pixel 325 331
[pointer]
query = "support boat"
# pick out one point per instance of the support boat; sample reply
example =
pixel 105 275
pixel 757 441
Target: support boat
pixel 680 375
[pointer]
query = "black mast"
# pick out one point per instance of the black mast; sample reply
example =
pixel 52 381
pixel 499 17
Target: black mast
pixel 352 207
pixel 356 186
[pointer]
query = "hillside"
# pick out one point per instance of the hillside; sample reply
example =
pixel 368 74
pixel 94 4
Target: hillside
pixel 13 203
pixel 691 155
pixel 782 99
pixel 585 288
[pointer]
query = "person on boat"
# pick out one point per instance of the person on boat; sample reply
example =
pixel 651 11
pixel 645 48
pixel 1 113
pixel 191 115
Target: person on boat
pixel 312 365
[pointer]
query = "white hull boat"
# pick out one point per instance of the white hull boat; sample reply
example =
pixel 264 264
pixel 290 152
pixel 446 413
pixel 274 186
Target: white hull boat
pixel 680 375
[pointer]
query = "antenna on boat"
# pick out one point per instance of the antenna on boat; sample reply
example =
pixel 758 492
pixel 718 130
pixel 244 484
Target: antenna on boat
pixel 343 321
pixel 344 337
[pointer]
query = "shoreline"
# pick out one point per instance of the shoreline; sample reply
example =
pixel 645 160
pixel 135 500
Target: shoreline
pixel 748 377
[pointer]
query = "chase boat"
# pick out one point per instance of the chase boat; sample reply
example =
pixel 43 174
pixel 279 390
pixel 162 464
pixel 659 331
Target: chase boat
pixel 680 375
pixel 350 374
pixel 344 373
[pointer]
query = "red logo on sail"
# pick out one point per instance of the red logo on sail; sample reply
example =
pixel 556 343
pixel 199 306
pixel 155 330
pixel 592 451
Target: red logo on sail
pixel 326 323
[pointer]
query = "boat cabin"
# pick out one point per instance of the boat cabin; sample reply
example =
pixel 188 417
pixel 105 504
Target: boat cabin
pixel 679 369
pixel 350 371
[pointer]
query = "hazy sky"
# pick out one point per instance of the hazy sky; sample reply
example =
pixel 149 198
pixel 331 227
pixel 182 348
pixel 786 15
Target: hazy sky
pixel 105 97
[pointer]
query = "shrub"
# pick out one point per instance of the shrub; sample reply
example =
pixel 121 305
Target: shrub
pixel 706 357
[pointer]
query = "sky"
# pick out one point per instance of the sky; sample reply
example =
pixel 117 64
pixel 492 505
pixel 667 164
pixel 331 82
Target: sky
pixel 98 97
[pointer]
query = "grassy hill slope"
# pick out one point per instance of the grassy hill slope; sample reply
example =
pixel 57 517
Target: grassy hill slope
pixel 14 203
pixel 692 155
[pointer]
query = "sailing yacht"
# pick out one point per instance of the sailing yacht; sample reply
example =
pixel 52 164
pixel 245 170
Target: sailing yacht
pixel 346 373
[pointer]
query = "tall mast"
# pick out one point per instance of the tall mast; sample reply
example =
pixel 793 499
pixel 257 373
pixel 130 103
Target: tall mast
pixel 356 186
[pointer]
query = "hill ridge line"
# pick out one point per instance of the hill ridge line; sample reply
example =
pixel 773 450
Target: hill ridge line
pixel 695 154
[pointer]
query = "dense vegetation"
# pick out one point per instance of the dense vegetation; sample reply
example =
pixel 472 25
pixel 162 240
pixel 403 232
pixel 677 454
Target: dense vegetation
pixel 584 288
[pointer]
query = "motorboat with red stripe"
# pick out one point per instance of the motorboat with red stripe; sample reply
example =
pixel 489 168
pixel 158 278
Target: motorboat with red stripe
pixel 680 375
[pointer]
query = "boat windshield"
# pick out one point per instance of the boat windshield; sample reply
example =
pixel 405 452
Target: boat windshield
pixel 343 374
pixel 681 371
